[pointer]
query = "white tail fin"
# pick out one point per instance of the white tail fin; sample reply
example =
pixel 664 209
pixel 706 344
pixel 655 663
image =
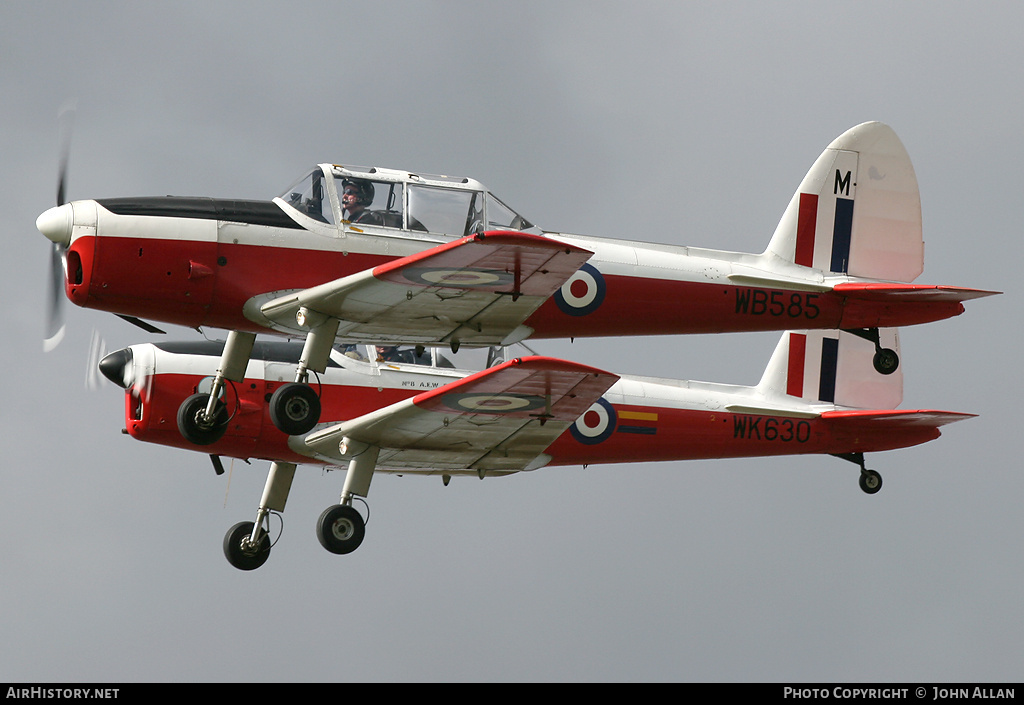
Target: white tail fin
pixel 833 367
pixel 857 211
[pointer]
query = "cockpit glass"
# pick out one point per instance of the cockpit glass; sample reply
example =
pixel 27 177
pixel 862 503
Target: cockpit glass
pixel 472 359
pixel 501 217
pixel 308 196
pixel 442 210
pixel 369 202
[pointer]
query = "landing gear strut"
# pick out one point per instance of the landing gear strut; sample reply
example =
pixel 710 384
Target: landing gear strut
pixel 870 481
pixel 203 418
pixel 247 544
pixel 341 528
pixel 295 407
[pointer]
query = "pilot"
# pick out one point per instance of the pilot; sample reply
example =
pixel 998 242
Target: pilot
pixel 356 195
pixel 393 353
pixel 351 351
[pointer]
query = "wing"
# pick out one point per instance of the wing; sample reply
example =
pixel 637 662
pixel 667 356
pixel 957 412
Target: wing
pixel 477 291
pixel 499 420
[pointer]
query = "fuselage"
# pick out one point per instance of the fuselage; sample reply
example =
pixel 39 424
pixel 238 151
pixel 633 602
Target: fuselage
pixel 637 420
pixel 210 263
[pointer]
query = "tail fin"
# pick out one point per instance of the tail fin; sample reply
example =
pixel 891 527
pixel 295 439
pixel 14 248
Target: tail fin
pixel 857 211
pixel 832 367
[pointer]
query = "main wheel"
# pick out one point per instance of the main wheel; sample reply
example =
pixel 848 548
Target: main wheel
pixel 870 481
pixel 240 552
pixel 194 425
pixel 295 408
pixel 340 529
pixel 886 361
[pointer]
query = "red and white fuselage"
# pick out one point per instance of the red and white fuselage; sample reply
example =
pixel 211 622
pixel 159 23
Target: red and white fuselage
pixel 841 258
pixel 792 411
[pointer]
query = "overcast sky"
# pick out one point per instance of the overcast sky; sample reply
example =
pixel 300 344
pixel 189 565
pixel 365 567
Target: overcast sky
pixel 687 123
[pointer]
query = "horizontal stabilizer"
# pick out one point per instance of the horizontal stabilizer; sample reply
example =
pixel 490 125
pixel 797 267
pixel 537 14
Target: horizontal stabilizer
pixel 910 293
pixel 894 418
pixel 886 429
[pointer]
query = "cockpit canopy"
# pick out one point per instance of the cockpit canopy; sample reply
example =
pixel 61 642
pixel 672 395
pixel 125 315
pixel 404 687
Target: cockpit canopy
pixel 359 198
pixel 435 358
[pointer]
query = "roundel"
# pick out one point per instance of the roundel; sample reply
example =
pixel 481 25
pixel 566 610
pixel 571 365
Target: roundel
pixel 447 276
pixel 493 403
pixel 596 424
pixel 582 293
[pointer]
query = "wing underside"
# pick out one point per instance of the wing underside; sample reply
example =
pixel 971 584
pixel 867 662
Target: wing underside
pixel 500 420
pixel 474 291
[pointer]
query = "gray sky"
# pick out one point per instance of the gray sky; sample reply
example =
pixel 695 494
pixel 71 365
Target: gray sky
pixel 710 114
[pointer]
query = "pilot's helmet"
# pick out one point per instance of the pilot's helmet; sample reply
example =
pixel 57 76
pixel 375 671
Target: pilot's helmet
pixel 363 189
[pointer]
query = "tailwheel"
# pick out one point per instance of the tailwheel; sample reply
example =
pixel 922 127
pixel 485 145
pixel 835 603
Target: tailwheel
pixel 295 408
pixel 195 426
pixel 240 550
pixel 885 361
pixel 870 481
pixel 340 529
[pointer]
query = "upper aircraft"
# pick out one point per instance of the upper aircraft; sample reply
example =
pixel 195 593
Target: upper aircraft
pixel 350 254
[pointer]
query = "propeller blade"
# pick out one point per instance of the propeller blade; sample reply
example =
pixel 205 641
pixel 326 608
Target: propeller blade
pixel 66 122
pixel 97 352
pixel 55 314
pixel 54 309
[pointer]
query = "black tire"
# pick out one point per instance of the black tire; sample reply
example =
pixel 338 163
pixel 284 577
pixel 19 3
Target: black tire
pixel 870 481
pixel 193 424
pixel 886 361
pixel 340 529
pixel 245 558
pixel 295 408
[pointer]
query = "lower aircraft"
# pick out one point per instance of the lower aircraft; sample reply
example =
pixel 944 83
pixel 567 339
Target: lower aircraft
pixel 411 410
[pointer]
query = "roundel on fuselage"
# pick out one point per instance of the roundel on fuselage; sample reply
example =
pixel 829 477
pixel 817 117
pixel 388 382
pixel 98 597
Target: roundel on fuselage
pixel 596 424
pixel 583 293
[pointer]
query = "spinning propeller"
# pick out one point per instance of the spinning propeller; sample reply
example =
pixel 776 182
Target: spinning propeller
pixel 55 224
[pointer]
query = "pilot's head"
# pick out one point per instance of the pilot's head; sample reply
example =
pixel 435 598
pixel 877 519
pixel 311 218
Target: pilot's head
pixel 356 195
